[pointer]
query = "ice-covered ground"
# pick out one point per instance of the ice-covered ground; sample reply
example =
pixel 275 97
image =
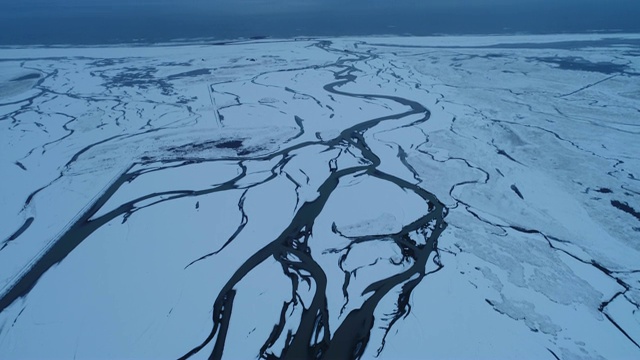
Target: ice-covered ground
pixel 399 198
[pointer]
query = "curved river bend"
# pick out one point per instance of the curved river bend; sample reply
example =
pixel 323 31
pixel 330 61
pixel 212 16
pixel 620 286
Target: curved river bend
pixel 314 332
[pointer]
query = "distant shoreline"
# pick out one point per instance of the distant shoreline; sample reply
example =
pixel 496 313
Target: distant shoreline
pixel 433 41
pixel 91 24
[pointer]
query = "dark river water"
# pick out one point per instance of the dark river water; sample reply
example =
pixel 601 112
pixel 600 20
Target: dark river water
pixel 29 22
pixel 296 246
pixel 147 21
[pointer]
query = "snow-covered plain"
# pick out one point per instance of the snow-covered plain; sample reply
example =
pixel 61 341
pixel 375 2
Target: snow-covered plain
pixel 398 198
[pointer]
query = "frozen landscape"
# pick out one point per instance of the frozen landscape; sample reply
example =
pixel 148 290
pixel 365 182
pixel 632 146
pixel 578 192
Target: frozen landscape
pixel 345 198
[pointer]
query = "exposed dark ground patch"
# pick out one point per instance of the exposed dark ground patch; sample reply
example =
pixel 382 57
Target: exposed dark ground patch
pixel 192 73
pixel 235 144
pixel 20 165
pixel 141 78
pixel 517 191
pixel 581 64
pixel 231 144
pixel 33 76
pixel 107 62
pixel 626 208
pixel 603 190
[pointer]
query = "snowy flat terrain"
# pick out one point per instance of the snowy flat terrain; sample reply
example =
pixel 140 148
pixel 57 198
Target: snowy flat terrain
pixel 392 198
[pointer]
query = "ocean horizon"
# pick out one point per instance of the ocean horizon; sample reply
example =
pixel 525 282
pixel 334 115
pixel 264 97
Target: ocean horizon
pixel 73 22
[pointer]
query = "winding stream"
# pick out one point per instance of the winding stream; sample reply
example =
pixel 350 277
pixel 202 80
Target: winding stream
pixel 293 249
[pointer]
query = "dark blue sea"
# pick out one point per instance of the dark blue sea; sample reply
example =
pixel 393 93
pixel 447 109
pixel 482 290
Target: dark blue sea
pixel 87 22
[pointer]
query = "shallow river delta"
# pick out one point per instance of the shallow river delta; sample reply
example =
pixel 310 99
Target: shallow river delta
pixel 391 198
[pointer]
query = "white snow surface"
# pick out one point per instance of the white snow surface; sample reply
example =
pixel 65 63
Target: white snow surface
pixel 137 182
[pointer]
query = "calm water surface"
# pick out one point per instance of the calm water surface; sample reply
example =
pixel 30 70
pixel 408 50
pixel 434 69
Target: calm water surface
pixel 28 22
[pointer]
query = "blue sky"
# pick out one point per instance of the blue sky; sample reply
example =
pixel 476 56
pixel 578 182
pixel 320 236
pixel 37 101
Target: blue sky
pixel 252 6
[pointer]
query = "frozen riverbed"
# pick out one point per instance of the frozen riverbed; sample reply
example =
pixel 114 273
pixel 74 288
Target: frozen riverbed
pixel 446 197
